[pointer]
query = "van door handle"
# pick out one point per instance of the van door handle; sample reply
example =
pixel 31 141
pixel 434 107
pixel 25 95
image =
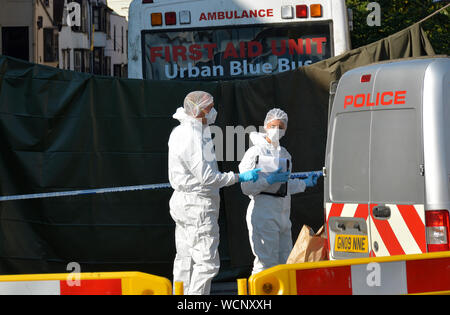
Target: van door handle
pixel 381 212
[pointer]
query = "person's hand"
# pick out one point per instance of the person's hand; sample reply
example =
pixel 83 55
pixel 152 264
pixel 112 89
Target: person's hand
pixel 278 177
pixel 311 181
pixel 251 175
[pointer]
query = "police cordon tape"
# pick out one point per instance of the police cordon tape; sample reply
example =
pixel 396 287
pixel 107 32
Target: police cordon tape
pixel 300 175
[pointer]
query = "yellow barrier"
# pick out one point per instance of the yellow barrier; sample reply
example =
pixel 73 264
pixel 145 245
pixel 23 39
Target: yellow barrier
pixel 242 286
pixel 406 274
pixel 103 283
pixel 179 288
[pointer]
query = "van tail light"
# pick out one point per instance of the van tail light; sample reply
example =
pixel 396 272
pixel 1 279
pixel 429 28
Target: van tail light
pixel 437 228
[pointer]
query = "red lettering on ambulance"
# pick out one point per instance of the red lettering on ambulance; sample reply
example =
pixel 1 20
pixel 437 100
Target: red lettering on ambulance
pixel 319 41
pixel 195 51
pixel 230 51
pixel 298 47
pixel 154 52
pixel 179 51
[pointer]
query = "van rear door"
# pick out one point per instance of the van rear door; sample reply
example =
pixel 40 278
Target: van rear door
pixel 397 184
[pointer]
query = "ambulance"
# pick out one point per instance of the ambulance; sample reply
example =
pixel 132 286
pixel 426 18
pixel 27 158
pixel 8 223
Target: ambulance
pixel 387 164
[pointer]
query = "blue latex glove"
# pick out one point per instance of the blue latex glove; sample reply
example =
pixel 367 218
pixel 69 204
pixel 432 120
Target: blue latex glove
pixel 278 177
pixel 251 175
pixel 311 181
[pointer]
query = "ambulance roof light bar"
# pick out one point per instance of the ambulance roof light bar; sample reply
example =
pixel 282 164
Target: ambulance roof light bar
pixel 170 18
pixel 185 17
pixel 156 19
pixel 301 11
pixel 316 10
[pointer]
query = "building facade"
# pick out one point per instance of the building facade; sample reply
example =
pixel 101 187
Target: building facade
pixel 52 33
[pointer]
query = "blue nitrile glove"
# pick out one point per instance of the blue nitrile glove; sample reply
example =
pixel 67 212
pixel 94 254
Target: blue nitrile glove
pixel 311 181
pixel 251 175
pixel 278 177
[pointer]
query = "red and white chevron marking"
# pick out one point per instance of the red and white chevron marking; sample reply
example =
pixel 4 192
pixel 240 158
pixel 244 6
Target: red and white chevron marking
pixel 61 287
pixel 405 276
pixel 403 233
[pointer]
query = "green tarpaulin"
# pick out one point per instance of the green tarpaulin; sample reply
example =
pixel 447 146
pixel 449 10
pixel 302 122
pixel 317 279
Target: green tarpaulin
pixel 62 130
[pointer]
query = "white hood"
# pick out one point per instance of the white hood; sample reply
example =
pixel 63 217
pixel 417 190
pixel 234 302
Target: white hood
pixel 259 139
pixel 182 117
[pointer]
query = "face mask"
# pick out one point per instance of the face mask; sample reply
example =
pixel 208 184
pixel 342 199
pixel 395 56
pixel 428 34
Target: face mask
pixel 211 116
pixel 275 134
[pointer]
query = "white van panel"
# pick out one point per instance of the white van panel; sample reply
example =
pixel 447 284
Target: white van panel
pixel 447 124
pixel 436 129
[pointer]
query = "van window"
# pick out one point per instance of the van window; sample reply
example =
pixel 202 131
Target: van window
pixel 395 157
pixel 349 169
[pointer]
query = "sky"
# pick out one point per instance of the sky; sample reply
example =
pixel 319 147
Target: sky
pixel 120 6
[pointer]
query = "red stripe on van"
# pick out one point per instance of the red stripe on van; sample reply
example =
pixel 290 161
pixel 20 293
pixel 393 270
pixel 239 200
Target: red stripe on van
pixel 362 211
pixel 335 211
pixel 387 235
pixel 415 225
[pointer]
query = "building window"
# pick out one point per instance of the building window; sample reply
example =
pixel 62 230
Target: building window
pixel 107 70
pixel 114 38
pixel 98 60
pixel 50 45
pixel 117 70
pixel 78 60
pixel 96 13
pixel 100 19
pixel 87 61
pixel 122 40
pixel 66 59
pixel 108 24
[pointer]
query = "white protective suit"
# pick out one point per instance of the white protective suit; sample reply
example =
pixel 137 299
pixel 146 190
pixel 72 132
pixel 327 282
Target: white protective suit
pixel 194 206
pixel 268 219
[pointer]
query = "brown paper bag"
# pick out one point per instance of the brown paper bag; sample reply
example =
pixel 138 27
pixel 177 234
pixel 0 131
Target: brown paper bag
pixel 309 247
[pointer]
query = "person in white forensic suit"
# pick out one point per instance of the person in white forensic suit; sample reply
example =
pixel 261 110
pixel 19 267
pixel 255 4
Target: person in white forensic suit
pixel 194 205
pixel 268 215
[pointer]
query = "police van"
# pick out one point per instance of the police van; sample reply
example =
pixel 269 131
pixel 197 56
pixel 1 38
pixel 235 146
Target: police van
pixel 387 165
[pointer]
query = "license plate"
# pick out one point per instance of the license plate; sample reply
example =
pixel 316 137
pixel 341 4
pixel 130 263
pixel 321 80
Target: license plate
pixel 351 243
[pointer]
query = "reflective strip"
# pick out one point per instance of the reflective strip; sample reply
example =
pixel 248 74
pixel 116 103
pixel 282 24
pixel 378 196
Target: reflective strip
pixel 387 235
pixel 60 287
pixel 403 233
pixel 93 287
pixel 50 287
pixel 406 276
pixel 416 223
